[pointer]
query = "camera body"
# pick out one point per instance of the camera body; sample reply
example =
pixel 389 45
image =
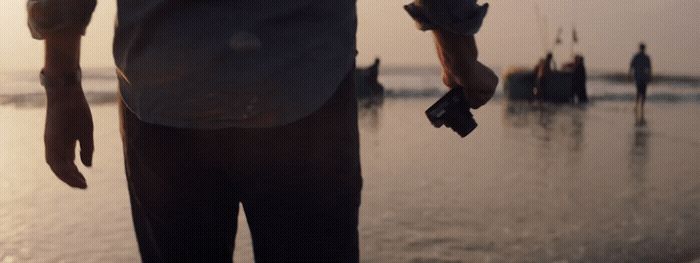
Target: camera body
pixel 452 111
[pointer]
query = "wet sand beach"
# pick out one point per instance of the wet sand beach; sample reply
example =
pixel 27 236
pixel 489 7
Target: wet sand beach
pixel 531 184
pixel 561 184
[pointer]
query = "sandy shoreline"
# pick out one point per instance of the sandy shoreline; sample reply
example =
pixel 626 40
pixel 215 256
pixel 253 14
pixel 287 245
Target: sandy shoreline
pixel 563 184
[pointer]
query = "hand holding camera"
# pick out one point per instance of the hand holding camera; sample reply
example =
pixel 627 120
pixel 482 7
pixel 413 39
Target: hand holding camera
pixel 452 111
pixel 454 23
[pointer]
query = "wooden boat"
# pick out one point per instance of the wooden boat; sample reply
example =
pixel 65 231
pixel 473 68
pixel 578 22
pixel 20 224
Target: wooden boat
pixel 519 84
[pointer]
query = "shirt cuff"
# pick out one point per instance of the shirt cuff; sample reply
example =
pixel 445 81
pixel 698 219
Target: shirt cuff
pixel 462 17
pixel 48 16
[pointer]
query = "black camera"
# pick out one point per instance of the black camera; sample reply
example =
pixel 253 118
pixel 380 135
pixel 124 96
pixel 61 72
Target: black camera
pixel 452 110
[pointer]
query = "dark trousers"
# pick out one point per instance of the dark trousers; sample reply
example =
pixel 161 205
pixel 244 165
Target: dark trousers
pixel 579 88
pixel 299 186
pixel 641 88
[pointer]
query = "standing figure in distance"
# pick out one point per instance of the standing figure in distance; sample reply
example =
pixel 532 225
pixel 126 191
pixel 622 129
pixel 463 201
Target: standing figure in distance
pixel 579 80
pixel 640 70
pixel 543 71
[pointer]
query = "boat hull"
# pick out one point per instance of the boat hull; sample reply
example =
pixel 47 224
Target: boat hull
pixel 519 85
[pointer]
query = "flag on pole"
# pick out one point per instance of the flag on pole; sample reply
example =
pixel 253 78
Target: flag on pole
pixel 559 41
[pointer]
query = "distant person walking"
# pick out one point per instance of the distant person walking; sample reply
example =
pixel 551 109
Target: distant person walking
pixel 640 69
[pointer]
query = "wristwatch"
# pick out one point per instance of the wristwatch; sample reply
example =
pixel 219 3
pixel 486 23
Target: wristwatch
pixel 67 79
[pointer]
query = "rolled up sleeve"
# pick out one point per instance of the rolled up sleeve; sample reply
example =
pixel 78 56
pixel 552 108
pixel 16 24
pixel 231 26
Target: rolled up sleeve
pixel 463 17
pixel 47 16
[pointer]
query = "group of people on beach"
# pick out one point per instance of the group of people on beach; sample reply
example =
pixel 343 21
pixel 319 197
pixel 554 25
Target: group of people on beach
pixel 546 67
pixel 640 71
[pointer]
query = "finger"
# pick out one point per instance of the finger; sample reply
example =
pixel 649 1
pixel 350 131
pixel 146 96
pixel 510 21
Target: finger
pixel 476 99
pixel 74 178
pixel 484 90
pixel 87 148
pixel 69 150
pixel 59 156
pixel 67 172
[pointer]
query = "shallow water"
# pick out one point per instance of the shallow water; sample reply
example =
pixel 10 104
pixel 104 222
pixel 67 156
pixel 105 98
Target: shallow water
pixel 531 184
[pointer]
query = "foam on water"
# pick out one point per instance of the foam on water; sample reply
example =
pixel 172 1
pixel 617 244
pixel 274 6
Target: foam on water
pixel 22 89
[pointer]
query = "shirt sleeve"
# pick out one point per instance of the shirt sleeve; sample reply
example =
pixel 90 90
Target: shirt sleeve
pixel 462 17
pixel 648 61
pixel 635 62
pixel 46 16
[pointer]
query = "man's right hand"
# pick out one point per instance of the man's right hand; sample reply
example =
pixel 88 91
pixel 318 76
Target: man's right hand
pixel 68 120
pixel 478 80
pixel 460 66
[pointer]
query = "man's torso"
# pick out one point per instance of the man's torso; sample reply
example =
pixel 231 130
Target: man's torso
pixel 215 64
pixel 641 66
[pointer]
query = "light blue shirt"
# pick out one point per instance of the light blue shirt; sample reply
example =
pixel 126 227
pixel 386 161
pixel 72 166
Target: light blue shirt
pixel 218 64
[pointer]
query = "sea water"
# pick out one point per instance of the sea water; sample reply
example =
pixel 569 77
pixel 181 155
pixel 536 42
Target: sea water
pixel 533 183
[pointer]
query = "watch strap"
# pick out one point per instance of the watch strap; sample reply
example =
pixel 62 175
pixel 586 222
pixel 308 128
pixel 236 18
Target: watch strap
pixel 67 79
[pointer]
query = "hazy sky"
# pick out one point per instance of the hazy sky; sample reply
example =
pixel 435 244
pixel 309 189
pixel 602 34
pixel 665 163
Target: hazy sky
pixel 512 34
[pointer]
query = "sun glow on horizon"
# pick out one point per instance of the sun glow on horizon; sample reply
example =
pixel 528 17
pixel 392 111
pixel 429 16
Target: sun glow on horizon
pixel 609 32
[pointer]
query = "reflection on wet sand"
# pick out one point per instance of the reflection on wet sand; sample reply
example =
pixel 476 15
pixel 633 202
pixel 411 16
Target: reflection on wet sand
pixel 638 159
pixel 549 123
pixel 554 128
pixel 639 150
pixel 370 113
pixel 621 194
pixel 548 184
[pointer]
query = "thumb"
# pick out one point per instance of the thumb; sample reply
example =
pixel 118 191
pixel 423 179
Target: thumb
pixel 87 148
